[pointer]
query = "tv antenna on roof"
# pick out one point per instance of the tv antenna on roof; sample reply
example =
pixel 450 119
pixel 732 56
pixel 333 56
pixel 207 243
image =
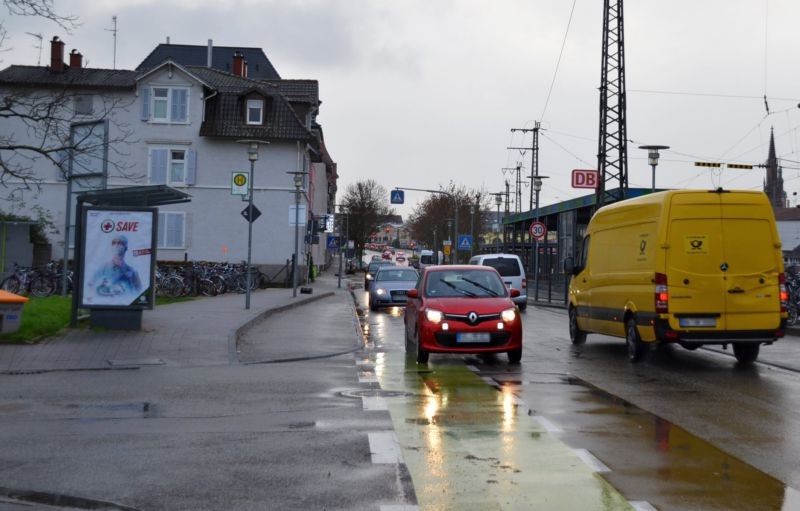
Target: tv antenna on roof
pixel 114 30
pixel 39 37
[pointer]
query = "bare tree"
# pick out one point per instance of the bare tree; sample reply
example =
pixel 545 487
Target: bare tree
pixel 433 213
pixel 40 127
pixel 367 203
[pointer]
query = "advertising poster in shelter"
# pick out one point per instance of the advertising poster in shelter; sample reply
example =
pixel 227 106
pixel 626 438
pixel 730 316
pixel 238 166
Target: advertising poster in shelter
pixel 118 257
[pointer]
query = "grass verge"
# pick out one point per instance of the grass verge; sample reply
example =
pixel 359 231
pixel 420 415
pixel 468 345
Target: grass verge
pixel 43 317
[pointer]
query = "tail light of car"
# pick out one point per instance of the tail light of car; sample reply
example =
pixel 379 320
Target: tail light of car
pixel 784 293
pixel 661 294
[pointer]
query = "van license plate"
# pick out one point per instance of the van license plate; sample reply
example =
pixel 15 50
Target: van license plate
pixel 473 337
pixel 694 322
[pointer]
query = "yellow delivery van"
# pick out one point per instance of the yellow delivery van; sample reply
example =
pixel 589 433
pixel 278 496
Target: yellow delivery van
pixel 690 267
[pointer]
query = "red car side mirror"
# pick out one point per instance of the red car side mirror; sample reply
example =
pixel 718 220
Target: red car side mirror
pixel 412 293
pixel 515 293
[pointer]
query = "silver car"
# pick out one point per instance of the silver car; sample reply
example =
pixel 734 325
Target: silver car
pixel 390 285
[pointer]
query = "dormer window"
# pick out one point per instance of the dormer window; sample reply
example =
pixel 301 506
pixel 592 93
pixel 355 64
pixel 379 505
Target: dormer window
pixel 255 111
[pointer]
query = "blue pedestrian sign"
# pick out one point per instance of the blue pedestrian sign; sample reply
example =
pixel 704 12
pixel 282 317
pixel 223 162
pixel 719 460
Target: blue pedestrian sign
pixel 333 242
pixel 398 197
pixel 464 242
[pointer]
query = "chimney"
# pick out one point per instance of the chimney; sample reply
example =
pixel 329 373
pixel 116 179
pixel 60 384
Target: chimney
pixel 75 59
pixel 245 69
pixel 238 64
pixel 210 50
pixel 56 55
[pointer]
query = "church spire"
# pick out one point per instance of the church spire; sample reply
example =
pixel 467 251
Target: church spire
pixel 773 185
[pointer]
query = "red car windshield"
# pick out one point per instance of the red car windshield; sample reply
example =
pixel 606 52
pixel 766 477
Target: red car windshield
pixel 461 283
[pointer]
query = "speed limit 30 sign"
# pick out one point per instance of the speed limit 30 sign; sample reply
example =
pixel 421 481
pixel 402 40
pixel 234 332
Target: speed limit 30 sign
pixel 538 230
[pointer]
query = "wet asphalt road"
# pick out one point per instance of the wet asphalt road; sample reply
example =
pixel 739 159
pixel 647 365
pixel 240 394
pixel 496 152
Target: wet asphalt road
pixel 683 430
pixel 368 428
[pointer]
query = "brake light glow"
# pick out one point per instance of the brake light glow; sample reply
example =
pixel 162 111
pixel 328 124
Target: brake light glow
pixel 661 294
pixel 784 293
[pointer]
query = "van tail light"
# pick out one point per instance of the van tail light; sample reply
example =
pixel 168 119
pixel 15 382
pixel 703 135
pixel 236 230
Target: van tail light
pixel 524 283
pixel 661 294
pixel 784 294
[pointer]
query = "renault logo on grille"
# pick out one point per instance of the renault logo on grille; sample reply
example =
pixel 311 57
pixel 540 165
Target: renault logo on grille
pixel 472 317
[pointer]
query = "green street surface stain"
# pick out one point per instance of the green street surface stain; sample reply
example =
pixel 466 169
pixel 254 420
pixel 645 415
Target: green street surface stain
pixel 468 446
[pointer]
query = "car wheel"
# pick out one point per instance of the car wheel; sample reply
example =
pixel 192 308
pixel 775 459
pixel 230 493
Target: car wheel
pixel 372 306
pixel 746 353
pixel 514 356
pixel 408 339
pixel 636 348
pixel 422 355
pixel 576 335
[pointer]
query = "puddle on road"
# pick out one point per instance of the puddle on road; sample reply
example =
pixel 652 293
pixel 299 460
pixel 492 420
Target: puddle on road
pixel 652 459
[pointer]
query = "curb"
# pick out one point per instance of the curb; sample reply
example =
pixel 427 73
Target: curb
pixel 233 337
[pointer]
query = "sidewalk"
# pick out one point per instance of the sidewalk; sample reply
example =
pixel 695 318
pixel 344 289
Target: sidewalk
pixel 202 331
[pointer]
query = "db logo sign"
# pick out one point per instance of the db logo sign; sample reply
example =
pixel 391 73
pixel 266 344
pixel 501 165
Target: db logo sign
pixel 584 178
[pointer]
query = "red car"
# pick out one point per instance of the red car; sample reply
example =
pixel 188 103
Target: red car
pixel 462 309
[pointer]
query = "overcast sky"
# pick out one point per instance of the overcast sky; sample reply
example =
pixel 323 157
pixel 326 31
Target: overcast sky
pixel 420 92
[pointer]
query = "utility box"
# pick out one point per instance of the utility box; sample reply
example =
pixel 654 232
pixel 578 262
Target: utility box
pixel 10 311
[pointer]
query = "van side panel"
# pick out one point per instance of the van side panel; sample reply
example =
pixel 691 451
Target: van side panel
pixel 620 271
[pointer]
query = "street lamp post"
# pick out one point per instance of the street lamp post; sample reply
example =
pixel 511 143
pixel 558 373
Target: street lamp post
pixel 298 184
pixel 341 246
pixel 652 159
pixel 252 155
pixel 472 229
pixel 498 200
pixel 449 227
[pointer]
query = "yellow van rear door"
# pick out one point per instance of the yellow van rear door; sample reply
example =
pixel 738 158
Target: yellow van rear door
pixel 694 255
pixel 752 300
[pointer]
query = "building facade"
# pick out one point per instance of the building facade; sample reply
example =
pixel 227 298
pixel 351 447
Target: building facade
pixel 183 125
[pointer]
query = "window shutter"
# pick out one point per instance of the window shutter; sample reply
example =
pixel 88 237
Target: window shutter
pixel 191 166
pixel 145 103
pixel 158 166
pixel 179 97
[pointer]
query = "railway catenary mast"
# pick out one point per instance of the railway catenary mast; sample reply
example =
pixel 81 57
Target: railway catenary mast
pixel 612 154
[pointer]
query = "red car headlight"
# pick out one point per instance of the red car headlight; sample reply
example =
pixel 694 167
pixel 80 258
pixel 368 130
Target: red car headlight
pixel 434 316
pixel 509 315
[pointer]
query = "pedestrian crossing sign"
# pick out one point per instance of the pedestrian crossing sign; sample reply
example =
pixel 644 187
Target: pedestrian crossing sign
pixel 398 197
pixel 464 242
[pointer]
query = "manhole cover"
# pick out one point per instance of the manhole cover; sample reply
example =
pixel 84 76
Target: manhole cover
pixel 374 393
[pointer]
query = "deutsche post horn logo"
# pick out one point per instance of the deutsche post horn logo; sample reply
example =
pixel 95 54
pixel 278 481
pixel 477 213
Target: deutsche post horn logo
pixel 107 226
pixel 696 244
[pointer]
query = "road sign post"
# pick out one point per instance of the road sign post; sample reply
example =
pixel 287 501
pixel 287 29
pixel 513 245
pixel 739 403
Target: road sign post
pixel 538 230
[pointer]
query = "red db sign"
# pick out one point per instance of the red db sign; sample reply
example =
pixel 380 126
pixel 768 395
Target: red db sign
pixel 584 178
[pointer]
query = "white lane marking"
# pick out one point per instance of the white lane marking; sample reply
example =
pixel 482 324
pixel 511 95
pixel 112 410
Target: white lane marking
pixel 490 381
pixel 548 426
pixel 642 505
pixel 363 361
pixel 473 369
pixel 367 377
pixel 383 447
pixel 589 458
pixel 373 403
pixel 399 507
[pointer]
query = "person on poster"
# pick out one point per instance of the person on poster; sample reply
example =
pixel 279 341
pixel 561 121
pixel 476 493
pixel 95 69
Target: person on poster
pixel 117 277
